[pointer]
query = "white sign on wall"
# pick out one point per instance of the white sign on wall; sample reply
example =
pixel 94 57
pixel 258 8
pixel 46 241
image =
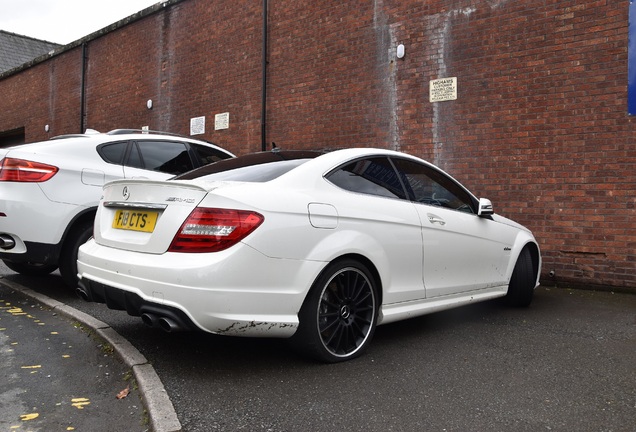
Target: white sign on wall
pixel 222 121
pixel 197 126
pixel 442 89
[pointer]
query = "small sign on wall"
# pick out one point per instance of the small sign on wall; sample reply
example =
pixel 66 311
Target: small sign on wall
pixel 443 89
pixel 197 126
pixel 222 121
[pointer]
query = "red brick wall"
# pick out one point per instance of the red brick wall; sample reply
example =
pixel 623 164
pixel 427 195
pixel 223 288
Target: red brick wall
pixel 198 58
pixel 539 125
pixel 45 94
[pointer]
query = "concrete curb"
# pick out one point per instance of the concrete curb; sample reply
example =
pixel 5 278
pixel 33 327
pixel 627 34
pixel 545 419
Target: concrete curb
pixel 163 417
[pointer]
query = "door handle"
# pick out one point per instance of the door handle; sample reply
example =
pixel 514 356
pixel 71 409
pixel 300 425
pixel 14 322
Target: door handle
pixel 435 219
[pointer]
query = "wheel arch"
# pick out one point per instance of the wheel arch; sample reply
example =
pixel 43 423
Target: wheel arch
pixel 82 217
pixel 531 246
pixel 366 262
pixel 535 254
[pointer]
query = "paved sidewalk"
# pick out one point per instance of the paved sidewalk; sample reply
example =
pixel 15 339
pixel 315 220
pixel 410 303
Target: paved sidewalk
pixel 63 370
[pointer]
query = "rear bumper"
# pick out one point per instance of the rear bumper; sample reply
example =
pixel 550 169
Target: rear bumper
pixel 152 313
pixel 238 292
pixel 23 208
pixel 32 252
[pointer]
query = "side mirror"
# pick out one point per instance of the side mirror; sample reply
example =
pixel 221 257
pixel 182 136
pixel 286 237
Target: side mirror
pixel 485 207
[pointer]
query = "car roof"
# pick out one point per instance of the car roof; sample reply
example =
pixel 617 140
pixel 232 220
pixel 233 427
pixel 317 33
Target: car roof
pixel 319 162
pixel 96 138
pixel 331 159
pixel 326 162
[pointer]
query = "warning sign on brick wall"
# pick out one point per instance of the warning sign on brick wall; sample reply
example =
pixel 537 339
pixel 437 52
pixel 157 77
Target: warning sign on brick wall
pixel 442 89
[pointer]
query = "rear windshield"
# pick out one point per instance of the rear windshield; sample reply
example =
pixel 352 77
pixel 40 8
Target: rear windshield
pixel 256 167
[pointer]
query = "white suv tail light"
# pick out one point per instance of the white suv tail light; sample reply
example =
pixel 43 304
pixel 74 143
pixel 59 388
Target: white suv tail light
pixel 213 230
pixel 24 171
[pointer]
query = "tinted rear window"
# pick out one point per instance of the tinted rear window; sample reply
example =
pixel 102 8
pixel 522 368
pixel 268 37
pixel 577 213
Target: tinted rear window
pixel 165 156
pixel 256 167
pixel 113 153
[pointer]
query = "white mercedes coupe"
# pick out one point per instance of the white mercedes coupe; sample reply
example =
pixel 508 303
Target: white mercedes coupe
pixel 319 247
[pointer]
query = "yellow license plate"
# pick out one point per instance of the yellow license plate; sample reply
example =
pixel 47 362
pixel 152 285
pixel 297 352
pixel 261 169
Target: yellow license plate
pixel 135 220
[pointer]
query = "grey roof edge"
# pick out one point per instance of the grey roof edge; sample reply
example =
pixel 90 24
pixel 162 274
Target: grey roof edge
pixel 17 49
pixel 29 37
pixel 95 35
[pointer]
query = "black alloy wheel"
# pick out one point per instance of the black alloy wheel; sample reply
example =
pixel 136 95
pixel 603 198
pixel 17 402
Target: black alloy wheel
pixel 339 316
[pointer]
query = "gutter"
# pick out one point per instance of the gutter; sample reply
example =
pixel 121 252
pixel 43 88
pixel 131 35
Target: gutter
pixel 83 88
pixel 264 83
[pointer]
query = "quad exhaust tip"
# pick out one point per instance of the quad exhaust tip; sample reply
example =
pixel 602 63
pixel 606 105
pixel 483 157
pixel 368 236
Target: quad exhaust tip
pixel 6 242
pixel 166 324
pixel 82 293
pixel 151 320
pixel 154 316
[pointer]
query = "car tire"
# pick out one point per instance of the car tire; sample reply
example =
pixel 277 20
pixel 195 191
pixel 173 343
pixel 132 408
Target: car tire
pixel 522 282
pixel 68 257
pixel 30 269
pixel 339 315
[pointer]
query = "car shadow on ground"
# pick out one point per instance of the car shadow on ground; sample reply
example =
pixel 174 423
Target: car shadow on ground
pixel 192 347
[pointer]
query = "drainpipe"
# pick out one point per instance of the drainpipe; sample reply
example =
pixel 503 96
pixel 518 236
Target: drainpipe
pixel 264 83
pixel 83 89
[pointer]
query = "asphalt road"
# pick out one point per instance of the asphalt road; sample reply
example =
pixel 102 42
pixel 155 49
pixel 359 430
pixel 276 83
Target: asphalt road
pixel 566 363
pixel 58 375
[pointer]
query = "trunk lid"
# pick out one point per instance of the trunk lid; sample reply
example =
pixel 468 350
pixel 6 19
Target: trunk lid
pixel 145 215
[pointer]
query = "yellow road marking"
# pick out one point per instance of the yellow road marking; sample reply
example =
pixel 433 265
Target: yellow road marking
pixel 80 403
pixel 25 417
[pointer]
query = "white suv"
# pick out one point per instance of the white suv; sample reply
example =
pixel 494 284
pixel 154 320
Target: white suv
pixel 49 190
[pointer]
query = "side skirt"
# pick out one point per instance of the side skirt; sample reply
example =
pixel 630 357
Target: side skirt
pixel 400 311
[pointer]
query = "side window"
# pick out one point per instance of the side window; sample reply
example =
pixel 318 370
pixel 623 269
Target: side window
pixel 429 186
pixel 373 176
pixel 164 156
pixel 113 153
pixel 208 155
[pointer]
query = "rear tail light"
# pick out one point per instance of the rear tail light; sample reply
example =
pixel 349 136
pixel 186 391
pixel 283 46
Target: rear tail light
pixel 19 170
pixel 213 230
